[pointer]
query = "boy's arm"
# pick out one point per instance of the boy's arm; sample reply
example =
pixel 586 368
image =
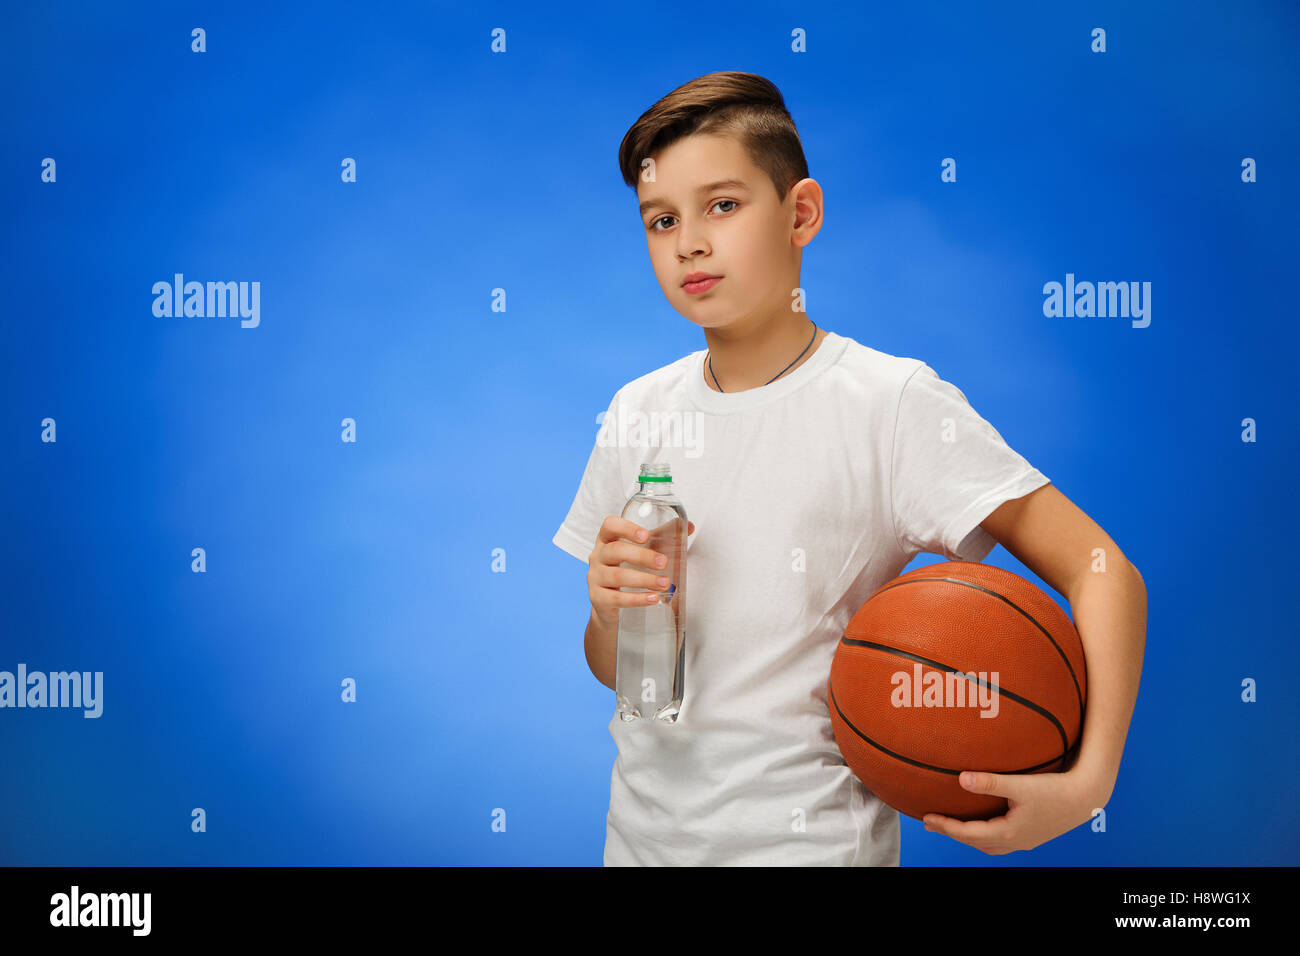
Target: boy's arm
pixel 601 645
pixel 1108 601
pixel 1052 537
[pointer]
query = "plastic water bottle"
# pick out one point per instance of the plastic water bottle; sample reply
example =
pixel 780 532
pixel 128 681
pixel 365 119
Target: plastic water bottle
pixel 650 673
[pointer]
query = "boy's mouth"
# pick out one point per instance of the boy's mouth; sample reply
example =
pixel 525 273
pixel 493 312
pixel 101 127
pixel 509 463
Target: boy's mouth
pixel 698 282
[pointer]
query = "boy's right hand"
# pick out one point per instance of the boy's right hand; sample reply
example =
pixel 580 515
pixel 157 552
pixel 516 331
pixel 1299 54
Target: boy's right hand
pixel 605 575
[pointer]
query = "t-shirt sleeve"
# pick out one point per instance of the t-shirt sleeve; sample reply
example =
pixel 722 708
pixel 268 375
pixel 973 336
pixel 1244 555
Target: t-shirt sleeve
pixel 601 493
pixel 950 470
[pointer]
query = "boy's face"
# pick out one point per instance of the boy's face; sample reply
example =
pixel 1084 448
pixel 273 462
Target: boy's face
pixel 740 231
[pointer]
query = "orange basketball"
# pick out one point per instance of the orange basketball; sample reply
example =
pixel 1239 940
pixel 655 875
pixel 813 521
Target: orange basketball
pixel 951 667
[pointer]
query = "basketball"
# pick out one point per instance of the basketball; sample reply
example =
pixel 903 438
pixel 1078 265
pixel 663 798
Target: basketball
pixel 951 667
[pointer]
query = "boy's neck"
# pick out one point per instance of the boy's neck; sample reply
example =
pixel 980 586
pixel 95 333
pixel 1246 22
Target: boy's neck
pixel 749 358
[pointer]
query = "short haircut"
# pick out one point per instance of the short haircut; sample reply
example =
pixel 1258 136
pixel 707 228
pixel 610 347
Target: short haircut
pixel 743 105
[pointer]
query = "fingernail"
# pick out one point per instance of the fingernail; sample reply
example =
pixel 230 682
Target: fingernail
pixel 641 535
pixel 660 561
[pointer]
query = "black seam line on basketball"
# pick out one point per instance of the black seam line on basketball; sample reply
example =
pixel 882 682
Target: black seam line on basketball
pixel 1065 740
pixel 1029 617
pixel 921 764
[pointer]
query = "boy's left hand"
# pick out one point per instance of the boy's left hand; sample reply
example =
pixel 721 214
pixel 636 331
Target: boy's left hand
pixel 1041 806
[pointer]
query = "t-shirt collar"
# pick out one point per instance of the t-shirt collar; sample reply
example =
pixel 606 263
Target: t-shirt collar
pixel 708 400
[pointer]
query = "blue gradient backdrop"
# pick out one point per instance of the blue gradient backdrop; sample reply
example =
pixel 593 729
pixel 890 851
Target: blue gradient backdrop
pixel 479 171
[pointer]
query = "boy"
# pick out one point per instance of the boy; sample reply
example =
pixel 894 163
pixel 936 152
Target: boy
pixel 813 469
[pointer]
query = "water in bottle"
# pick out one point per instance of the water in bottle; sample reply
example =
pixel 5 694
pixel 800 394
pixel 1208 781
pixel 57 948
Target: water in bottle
pixel 650 673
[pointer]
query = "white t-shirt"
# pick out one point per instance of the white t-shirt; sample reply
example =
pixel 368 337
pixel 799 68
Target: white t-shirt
pixel 807 494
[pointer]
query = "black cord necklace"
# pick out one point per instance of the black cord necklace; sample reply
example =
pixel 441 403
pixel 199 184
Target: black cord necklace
pixel 709 358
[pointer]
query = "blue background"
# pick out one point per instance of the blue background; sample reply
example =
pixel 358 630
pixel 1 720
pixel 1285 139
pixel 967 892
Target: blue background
pixel 479 171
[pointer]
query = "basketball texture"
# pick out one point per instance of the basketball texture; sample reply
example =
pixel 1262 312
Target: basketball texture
pixel 951 667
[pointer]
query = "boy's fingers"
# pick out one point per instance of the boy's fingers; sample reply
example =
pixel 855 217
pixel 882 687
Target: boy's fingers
pixel 615 527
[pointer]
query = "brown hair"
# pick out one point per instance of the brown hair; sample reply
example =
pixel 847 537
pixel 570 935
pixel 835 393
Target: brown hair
pixel 743 105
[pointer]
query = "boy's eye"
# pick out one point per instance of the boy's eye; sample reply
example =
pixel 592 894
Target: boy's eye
pixel 655 223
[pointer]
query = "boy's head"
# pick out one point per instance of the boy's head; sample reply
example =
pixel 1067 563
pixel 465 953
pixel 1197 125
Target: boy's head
pixel 733 129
